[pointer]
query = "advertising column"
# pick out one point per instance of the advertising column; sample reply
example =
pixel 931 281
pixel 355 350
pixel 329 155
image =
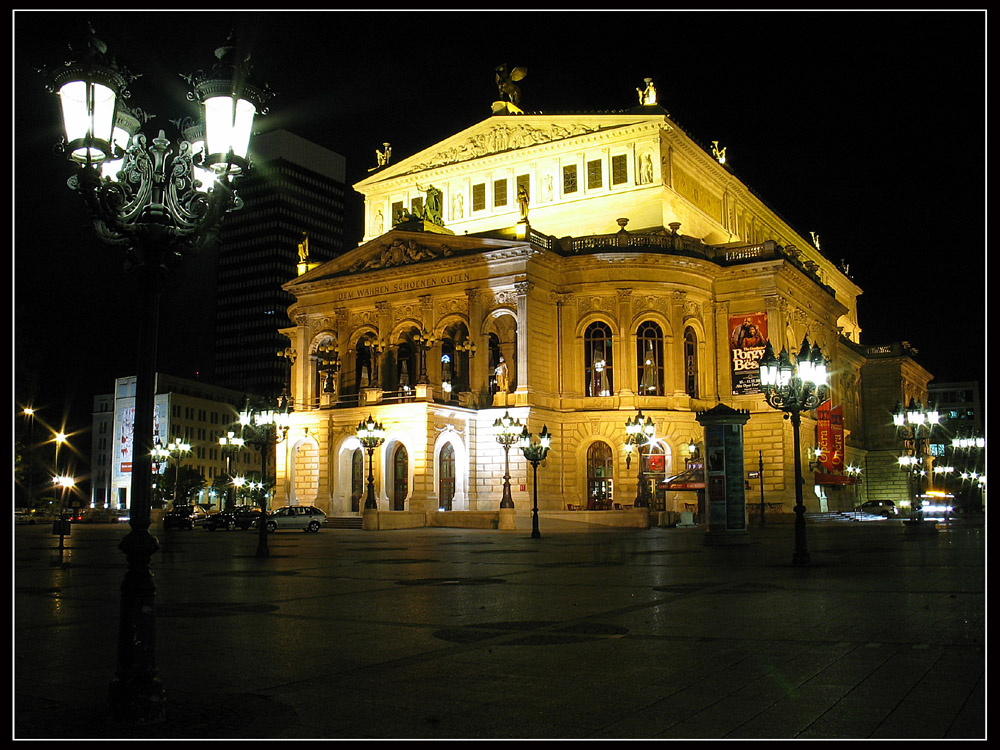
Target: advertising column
pixel 724 478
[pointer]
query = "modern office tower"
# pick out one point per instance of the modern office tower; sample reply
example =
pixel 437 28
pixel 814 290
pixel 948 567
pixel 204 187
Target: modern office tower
pixel 293 202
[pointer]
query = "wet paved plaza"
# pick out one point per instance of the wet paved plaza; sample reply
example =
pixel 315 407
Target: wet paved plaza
pixel 447 633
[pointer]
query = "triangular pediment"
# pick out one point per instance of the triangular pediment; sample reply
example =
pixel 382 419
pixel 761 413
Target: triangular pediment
pixel 504 133
pixel 394 250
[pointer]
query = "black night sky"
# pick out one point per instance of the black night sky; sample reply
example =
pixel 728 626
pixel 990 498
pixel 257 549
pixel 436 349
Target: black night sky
pixel 865 127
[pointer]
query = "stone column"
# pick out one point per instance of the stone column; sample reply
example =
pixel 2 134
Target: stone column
pixel 521 290
pixel 625 372
pixel 479 361
pixel 675 356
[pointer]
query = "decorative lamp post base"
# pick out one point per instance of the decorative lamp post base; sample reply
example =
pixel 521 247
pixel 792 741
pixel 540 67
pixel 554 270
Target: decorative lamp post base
pixel 507 519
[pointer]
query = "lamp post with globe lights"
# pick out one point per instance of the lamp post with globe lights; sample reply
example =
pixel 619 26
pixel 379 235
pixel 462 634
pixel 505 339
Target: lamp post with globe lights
pixel 914 426
pixel 372 435
pixel 508 433
pixel 264 428
pixel 794 386
pixel 535 452
pixel 230 443
pixel 639 432
pixel 152 210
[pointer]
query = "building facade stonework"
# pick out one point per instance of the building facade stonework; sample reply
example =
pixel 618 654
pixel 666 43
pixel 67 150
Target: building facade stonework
pixel 615 284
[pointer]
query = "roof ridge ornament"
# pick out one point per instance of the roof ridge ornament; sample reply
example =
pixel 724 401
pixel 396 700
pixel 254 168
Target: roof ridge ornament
pixel 506 80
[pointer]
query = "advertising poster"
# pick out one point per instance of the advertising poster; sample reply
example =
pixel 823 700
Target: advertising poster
pixel 747 340
pixel 824 437
pixel 126 431
pixel 837 438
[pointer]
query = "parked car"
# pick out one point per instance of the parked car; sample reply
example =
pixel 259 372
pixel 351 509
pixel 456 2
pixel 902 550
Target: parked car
pixel 304 517
pixel 246 515
pixel 885 508
pixel 224 519
pixel 185 517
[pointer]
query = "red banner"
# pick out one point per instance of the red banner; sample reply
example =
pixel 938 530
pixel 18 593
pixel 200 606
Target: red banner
pixel 824 434
pixel 837 438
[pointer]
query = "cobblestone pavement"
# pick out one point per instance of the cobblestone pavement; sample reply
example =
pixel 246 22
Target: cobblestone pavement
pixel 446 633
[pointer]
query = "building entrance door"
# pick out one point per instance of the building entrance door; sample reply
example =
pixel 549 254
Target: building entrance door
pixel 446 482
pixel 357 479
pixel 400 467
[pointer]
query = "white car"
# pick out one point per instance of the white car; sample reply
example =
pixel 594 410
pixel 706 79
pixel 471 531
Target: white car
pixel 304 517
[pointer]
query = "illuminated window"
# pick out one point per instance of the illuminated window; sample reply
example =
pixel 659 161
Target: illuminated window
pixel 690 363
pixel 594 176
pixel 499 193
pixel 479 197
pixel 598 360
pixel 619 169
pixel 649 351
pixel 569 179
pixel 600 471
pixel 400 478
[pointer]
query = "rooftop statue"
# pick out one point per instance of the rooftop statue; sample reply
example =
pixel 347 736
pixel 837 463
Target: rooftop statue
pixel 648 94
pixel 381 157
pixel 304 248
pixel 506 83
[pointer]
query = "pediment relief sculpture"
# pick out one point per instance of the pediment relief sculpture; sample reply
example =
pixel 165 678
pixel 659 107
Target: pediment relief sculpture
pixel 399 253
pixel 502 138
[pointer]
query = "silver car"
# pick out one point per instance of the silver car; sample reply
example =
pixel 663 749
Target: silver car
pixel 305 517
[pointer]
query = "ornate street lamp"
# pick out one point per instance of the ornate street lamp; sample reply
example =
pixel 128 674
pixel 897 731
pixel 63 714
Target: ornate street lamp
pixel 177 449
pixel 794 387
pixel 914 426
pixel 372 435
pixel 508 432
pixel 154 213
pixel 266 428
pixel 639 432
pixel 424 341
pixel 535 452
pixel 66 483
pixel 230 443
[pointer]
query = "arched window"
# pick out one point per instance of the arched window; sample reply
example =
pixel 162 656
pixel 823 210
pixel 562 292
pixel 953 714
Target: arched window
pixel 494 360
pixel 600 470
pixel 400 477
pixel 405 375
pixel 363 376
pixel 598 360
pixel 690 362
pixel 649 365
pixel 446 477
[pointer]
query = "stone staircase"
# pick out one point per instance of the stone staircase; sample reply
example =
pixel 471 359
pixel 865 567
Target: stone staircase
pixel 343 522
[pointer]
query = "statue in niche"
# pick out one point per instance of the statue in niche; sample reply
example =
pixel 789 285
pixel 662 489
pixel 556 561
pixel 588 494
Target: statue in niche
pixel 502 376
pixel 648 94
pixel 522 202
pixel 458 206
pixel 645 168
pixel 506 81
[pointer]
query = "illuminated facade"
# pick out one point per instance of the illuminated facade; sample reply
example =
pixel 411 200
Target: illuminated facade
pixel 569 270
pixel 193 412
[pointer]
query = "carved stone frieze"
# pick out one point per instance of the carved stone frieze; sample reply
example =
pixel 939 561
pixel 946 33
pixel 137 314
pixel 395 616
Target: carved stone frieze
pixel 499 139
pixel 399 253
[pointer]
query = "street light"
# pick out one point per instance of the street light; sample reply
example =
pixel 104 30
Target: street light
pixel 177 449
pixel 639 432
pixel 794 387
pixel 508 432
pixel 67 483
pixel 372 435
pixel 914 426
pixel 156 217
pixel 535 452
pixel 230 444
pixel 266 428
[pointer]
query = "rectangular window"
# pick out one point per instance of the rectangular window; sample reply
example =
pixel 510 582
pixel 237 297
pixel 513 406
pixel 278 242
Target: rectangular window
pixel 594 176
pixel 619 169
pixel 479 197
pixel 499 193
pixel 417 206
pixel 569 179
pixel 397 212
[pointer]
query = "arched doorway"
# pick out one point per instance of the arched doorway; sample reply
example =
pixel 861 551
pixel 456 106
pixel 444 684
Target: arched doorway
pixel 357 479
pixel 600 476
pixel 400 477
pixel 446 477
